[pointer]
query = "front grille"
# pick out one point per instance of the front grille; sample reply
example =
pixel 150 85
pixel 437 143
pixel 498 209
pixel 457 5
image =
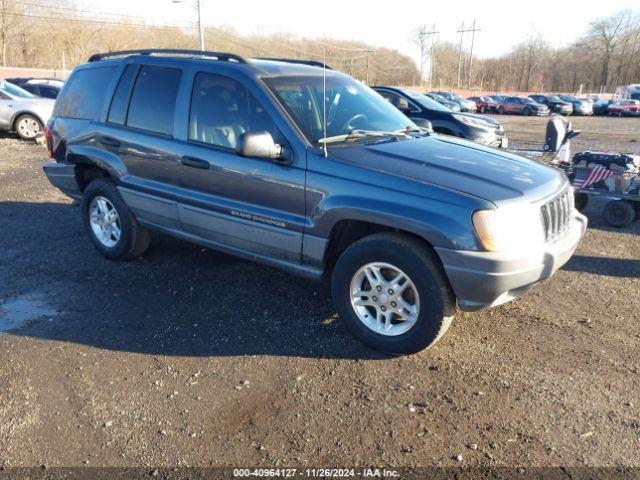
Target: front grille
pixel 556 215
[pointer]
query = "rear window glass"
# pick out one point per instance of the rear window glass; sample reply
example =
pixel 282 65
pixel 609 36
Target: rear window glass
pixel 84 96
pixel 153 99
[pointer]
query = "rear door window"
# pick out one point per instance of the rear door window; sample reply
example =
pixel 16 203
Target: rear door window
pixel 85 93
pixel 153 99
pixel 120 101
pixel 48 92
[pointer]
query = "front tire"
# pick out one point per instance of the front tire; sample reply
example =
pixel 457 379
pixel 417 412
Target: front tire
pixel 392 294
pixel 110 224
pixel 27 126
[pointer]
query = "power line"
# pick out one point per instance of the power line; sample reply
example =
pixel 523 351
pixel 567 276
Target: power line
pixel 100 22
pixel 46 8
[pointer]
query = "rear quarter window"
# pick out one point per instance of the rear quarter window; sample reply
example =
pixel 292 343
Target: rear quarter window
pixel 83 97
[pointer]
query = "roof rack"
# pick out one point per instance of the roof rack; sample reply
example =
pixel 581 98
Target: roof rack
pixel 227 57
pixel 298 61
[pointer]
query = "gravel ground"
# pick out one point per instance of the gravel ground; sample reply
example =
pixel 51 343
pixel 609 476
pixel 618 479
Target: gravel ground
pixel 191 357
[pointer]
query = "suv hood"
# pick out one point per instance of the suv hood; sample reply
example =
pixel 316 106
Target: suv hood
pixel 460 165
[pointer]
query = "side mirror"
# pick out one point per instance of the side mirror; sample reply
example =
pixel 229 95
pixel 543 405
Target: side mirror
pixel 258 145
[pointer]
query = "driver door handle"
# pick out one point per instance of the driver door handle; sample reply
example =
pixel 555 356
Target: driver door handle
pixel 195 162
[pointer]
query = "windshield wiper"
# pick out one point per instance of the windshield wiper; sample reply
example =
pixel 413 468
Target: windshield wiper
pixel 355 134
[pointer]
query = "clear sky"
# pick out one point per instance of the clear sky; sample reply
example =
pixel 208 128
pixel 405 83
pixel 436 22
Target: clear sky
pixel 389 24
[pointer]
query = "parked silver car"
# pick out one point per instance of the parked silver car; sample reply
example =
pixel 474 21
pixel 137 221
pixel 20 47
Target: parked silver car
pixel 23 112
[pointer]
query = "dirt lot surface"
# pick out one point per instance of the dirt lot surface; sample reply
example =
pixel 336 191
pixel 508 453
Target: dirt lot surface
pixel 191 357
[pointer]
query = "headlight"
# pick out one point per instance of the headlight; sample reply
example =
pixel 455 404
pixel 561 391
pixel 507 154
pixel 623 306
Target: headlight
pixel 508 228
pixel 473 121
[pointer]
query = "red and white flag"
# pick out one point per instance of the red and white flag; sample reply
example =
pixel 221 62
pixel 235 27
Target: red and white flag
pixel 587 176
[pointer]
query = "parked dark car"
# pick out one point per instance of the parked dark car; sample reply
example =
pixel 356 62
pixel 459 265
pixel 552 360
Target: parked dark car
pixel 484 104
pixel 522 106
pixel 555 103
pixel 236 155
pixel 419 107
pixel 601 107
pixel 453 106
pixel 580 106
pixel 465 105
pixel 41 87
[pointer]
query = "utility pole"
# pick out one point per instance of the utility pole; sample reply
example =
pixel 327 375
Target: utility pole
pixel 367 74
pixel 197 8
pixel 473 34
pixel 462 31
pixel 200 25
pixel 421 40
pixel 421 35
pixel 432 62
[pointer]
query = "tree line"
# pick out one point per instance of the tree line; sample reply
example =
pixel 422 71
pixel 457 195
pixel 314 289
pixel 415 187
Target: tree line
pixel 605 57
pixel 54 34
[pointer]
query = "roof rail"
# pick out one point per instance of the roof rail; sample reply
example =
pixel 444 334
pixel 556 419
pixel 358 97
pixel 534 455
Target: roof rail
pixel 298 61
pixel 227 57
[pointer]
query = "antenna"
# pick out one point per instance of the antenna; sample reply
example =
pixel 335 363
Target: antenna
pixel 324 99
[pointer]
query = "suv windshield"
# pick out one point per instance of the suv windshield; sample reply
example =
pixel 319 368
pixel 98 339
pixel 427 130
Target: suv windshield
pixel 350 106
pixel 425 101
pixel 15 91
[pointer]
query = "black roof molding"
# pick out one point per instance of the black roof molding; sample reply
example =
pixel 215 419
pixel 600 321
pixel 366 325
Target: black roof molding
pixel 298 61
pixel 227 57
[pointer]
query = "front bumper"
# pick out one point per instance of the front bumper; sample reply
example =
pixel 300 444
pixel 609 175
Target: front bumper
pixel 490 138
pixel 63 177
pixel 486 279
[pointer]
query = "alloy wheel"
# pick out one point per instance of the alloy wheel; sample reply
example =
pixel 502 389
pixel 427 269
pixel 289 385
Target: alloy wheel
pixel 385 299
pixel 104 221
pixel 28 127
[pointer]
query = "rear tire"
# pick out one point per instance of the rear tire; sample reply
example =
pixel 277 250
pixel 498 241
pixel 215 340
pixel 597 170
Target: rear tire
pixel 27 126
pixel 131 240
pixel 619 213
pixel 432 295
